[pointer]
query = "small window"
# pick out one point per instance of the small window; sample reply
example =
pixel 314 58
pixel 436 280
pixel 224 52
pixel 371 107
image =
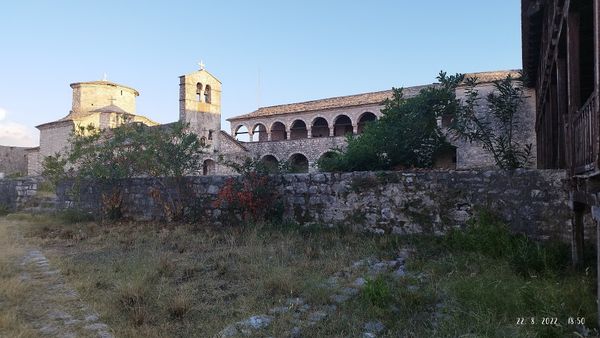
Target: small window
pixel 203 141
pixel 207 98
pixel 121 93
pixel 199 91
pixel 210 132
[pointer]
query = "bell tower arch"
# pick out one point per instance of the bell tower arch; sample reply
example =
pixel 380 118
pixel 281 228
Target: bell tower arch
pixel 200 105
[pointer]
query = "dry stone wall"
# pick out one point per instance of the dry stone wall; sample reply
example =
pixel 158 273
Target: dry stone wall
pixel 531 201
pixel 16 193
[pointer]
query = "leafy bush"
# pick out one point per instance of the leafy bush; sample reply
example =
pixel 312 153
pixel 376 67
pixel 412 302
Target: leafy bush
pixel 253 195
pixel 377 292
pixel 407 135
pixel 494 130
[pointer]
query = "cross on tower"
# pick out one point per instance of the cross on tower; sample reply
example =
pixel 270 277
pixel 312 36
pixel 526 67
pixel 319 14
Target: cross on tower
pixel 201 64
pixel 112 101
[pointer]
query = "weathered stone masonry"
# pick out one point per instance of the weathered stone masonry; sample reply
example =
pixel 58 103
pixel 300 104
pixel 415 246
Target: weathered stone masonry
pixel 532 201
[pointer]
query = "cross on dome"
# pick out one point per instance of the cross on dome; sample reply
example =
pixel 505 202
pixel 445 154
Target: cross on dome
pixel 201 64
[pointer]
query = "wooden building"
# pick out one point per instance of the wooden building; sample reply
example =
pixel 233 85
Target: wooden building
pixel 561 61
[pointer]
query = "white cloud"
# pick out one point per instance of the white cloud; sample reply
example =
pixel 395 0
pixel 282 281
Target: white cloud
pixel 16 134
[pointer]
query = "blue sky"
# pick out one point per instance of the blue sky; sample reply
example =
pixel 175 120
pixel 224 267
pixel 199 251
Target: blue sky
pixel 303 50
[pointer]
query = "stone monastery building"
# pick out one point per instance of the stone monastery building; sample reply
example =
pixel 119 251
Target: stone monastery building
pixel 297 133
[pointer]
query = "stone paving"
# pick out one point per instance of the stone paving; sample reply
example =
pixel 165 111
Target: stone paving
pixel 305 315
pixel 66 316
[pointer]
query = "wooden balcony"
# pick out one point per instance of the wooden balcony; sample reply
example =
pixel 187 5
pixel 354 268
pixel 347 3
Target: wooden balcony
pixel 585 137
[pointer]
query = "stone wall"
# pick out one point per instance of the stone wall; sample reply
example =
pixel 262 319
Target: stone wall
pixel 15 193
pixel 532 201
pixel 13 161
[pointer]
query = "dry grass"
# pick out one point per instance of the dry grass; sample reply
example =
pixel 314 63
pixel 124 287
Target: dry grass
pixel 12 289
pixel 192 280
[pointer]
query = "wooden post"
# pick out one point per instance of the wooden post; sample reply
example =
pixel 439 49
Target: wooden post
pixel 574 97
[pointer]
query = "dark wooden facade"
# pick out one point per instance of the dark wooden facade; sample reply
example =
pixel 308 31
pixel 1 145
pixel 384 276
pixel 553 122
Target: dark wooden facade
pixel 560 59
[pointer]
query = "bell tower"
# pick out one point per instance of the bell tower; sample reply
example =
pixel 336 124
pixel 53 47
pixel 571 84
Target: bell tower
pixel 200 105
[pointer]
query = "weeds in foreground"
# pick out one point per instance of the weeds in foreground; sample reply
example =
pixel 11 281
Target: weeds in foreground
pixel 193 280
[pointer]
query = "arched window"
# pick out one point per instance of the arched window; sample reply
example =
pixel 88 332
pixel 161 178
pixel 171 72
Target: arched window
pixel 298 163
pixel 199 91
pixel 364 119
pixel 208 167
pixel 270 162
pixel 207 97
pixel 278 132
pixel 203 141
pixel 298 130
pixel 259 133
pixel 342 126
pixel 320 128
pixel 241 133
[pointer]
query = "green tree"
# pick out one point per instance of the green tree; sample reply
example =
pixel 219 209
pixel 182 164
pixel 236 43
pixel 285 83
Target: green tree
pixel 495 130
pixel 407 135
pixel 108 156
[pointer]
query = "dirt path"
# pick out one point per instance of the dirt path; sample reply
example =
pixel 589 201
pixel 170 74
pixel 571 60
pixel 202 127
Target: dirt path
pixel 49 306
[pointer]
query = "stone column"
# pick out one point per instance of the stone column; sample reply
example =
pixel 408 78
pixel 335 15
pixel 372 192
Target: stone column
pixel 355 129
pixel 308 133
pixel 331 130
pixel 268 136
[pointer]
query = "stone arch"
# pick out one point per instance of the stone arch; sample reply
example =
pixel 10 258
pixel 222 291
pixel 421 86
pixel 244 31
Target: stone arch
pixel 259 133
pixel 298 163
pixel 324 155
pixel 278 131
pixel 298 129
pixel 270 162
pixel 327 154
pixel 209 167
pixel 364 118
pixel 319 127
pixel 199 92
pixel 241 133
pixel 207 94
pixel 342 125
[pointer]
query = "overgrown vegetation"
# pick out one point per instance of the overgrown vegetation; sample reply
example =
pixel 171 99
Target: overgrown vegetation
pixel 496 130
pixel 253 195
pixel 156 280
pixel 108 156
pixel 408 134
pixel 489 236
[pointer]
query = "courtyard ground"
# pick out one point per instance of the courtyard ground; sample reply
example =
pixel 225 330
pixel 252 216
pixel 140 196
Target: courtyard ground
pixel 61 276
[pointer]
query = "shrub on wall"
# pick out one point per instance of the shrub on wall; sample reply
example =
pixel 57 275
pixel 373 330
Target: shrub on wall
pixel 253 195
pixel 495 131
